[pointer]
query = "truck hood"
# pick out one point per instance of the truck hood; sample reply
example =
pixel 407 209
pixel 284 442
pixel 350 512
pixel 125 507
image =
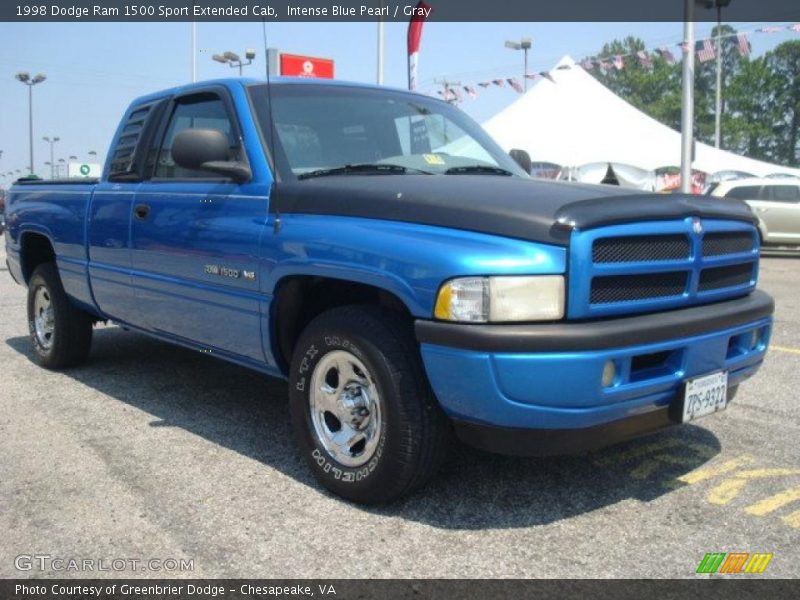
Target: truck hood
pixel 536 210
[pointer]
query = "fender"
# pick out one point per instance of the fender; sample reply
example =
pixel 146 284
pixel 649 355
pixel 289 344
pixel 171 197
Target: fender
pixel 410 261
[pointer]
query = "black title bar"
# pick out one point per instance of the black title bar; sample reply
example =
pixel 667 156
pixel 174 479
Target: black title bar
pixel 374 10
pixel 736 586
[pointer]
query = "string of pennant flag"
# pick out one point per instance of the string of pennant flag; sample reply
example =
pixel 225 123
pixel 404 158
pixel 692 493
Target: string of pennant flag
pixel 705 50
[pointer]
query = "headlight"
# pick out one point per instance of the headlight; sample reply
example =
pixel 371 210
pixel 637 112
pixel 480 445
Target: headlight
pixel 496 299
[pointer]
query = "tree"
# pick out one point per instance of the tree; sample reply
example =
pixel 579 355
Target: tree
pixel 656 91
pixel 761 96
pixel 748 123
pixel 783 64
pixel 705 84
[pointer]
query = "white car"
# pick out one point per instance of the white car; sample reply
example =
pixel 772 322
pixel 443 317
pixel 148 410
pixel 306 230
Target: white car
pixel 776 203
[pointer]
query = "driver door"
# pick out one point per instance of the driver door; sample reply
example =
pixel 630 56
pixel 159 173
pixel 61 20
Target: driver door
pixel 195 238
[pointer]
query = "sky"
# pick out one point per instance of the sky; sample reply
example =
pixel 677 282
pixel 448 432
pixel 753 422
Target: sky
pixel 94 70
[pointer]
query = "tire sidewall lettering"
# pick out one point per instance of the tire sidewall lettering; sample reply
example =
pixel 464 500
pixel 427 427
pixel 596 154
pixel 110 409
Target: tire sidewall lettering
pixel 319 456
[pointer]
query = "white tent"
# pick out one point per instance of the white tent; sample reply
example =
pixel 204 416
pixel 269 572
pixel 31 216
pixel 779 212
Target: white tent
pixel 577 122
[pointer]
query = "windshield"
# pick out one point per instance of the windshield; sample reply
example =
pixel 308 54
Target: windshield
pixel 324 130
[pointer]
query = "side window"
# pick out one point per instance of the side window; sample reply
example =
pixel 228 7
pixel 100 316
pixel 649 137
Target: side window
pixel 203 111
pixel 745 192
pixel 783 193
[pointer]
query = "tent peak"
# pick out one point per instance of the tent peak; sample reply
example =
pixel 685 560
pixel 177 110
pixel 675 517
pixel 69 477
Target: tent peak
pixel 566 61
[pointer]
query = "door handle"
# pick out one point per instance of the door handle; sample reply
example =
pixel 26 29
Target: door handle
pixel 141 211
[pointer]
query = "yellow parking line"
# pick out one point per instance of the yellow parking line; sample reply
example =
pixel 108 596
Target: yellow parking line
pixel 785 349
pixel 704 473
pixel 793 519
pixel 767 505
pixel 730 488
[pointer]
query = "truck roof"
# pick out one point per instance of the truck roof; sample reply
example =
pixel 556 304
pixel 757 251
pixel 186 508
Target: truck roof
pixel 231 82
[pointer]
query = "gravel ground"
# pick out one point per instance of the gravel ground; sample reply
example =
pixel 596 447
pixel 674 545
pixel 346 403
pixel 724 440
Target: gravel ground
pixel 155 452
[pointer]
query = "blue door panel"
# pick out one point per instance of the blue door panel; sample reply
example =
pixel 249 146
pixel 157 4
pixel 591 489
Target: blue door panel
pixel 196 236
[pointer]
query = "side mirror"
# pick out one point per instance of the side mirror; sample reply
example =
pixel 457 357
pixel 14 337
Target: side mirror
pixel 522 158
pixel 207 150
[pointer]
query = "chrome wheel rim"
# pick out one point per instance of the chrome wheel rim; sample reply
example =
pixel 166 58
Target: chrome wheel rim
pixel 43 318
pixel 345 408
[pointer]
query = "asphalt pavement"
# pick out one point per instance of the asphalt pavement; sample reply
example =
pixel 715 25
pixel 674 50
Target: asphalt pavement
pixel 151 452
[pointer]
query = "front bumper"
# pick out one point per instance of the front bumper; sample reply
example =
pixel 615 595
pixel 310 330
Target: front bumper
pixel 503 383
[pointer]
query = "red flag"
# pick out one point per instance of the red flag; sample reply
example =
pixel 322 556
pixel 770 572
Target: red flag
pixel 618 63
pixel 795 27
pixel 499 82
pixel 414 41
pixel 470 91
pixel 547 75
pixel 530 76
pixel 771 29
pixel 485 84
pixel 587 64
pixel 644 59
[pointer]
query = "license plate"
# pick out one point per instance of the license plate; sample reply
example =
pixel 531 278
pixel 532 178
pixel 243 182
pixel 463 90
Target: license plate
pixel 705 395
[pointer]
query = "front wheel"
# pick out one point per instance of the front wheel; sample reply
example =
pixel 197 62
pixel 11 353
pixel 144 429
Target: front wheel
pixel 362 410
pixel 61 333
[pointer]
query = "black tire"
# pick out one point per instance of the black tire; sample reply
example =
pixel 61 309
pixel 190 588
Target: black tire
pixel 71 337
pixel 414 432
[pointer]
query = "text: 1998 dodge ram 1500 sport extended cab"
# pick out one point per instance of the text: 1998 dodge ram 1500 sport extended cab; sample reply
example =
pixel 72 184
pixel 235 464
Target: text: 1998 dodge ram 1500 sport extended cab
pixel 376 248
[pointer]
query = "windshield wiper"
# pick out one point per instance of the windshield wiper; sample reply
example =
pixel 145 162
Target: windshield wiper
pixel 478 170
pixel 379 168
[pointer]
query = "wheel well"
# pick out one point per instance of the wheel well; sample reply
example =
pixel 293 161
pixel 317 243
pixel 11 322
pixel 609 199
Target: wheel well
pixel 35 250
pixel 299 299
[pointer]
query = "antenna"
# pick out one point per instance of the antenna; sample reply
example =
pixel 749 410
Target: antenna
pixel 271 153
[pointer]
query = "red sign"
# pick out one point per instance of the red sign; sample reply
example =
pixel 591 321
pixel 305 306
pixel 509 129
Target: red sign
pixel 294 65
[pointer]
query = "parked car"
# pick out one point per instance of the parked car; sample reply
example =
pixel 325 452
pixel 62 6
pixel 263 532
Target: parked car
pixel 776 203
pixel 333 234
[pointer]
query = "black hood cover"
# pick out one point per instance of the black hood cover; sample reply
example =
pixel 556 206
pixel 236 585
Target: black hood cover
pixel 529 209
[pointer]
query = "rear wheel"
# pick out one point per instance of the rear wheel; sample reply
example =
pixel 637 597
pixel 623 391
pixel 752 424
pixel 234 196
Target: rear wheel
pixel 362 410
pixel 61 333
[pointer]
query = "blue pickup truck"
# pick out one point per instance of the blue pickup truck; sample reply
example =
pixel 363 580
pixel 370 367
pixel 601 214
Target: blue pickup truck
pixel 405 275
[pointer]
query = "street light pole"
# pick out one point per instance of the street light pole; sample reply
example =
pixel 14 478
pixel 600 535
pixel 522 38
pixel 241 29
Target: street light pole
pixel 52 142
pixel 718 109
pixel 25 77
pixel 687 97
pixel 380 51
pixel 524 44
pixel 232 59
pixel 720 4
